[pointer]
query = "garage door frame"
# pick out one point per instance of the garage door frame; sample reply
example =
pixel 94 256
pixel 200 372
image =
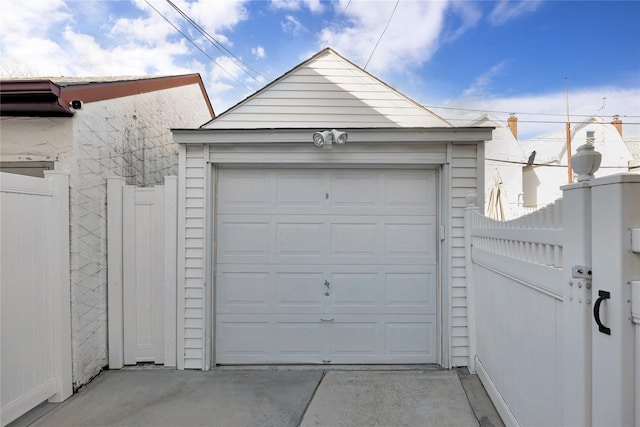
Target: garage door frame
pixel 411 156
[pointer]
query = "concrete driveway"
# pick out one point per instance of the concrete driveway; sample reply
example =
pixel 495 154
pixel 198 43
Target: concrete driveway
pixel 270 396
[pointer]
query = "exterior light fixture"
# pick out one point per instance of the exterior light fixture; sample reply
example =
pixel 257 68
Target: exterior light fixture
pixel 325 138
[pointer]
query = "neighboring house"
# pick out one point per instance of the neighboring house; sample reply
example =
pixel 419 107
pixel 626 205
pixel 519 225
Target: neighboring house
pixel 92 128
pixel 547 156
pixel 320 250
pixel 503 163
pixel 633 143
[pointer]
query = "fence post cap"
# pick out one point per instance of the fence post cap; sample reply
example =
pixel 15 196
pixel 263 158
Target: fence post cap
pixel 586 162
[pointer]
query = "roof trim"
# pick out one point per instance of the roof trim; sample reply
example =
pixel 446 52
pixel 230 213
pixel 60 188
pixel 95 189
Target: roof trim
pixel 46 98
pixel 262 136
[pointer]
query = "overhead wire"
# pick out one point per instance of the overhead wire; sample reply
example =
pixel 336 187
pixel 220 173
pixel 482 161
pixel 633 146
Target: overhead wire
pixel 223 49
pixel 196 45
pixel 326 43
pixel 393 12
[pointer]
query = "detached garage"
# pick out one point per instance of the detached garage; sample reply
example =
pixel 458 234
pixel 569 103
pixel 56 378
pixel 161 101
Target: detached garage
pixel 321 221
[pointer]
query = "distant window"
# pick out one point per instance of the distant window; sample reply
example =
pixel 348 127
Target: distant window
pixel 26 168
pixel 591 137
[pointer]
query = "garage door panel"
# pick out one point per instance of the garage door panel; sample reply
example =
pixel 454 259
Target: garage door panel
pixel 299 239
pixel 358 189
pixel 357 238
pixel 244 238
pixel 411 339
pixel 382 339
pixel 245 192
pixel 415 240
pixel 242 289
pixel 294 189
pixel 411 191
pixel 243 337
pixel 354 289
pixel 369 234
pixel 304 290
pixel 405 290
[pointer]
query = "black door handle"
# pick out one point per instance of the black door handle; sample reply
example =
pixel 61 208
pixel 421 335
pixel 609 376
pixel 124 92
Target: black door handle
pixel 602 295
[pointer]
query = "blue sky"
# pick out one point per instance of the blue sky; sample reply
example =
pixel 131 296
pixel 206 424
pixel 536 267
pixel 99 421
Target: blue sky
pixel 496 56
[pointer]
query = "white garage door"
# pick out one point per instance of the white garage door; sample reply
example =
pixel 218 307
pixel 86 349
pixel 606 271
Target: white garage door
pixel 326 266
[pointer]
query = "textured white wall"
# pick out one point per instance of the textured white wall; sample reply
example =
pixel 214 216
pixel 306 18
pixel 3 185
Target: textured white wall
pixel 37 139
pixel 128 137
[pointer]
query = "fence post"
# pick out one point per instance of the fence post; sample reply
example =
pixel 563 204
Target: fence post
pixel 577 304
pixel 62 286
pixel 115 186
pixel 616 211
pixel 469 212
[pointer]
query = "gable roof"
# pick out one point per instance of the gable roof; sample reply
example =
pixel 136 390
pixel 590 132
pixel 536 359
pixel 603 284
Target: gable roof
pixel 552 148
pixel 327 91
pixel 50 96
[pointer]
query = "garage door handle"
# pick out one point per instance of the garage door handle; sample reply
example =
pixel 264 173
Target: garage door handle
pixel 327 319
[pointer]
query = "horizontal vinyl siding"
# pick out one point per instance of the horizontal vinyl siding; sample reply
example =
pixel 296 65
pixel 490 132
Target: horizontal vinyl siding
pixel 194 244
pixel 463 181
pixel 327 91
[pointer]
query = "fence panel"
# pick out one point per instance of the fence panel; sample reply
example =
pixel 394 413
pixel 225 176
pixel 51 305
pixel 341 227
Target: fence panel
pixel 35 300
pixel 142 279
pixel 516 278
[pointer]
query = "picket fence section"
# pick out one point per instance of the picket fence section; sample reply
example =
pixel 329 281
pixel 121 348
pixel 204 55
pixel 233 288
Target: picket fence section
pixel 516 274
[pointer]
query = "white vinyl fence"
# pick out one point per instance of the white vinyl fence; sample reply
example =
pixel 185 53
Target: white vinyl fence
pixel 555 307
pixel 142 262
pixel 35 293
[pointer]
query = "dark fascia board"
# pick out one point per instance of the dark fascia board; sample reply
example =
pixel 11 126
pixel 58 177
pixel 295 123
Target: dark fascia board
pixel 31 98
pixel 45 98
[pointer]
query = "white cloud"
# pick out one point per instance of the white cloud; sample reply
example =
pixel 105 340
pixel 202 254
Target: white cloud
pixel 292 26
pixel 507 10
pixel 258 52
pixel 482 83
pixel 468 14
pixel 313 5
pixel 399 48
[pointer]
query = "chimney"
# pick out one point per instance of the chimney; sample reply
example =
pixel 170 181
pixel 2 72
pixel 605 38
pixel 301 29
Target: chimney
pixel 512 122
pixel 618 124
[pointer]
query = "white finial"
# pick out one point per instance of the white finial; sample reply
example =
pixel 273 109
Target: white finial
pixel 586 162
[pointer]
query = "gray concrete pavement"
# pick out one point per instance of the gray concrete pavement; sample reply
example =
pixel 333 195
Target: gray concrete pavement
pixel 282 396
pixel 408 398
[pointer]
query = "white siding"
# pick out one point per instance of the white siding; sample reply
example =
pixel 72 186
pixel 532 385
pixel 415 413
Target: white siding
pixel 194 184
pixel 191 303
pixel 464 180
pixel 327 91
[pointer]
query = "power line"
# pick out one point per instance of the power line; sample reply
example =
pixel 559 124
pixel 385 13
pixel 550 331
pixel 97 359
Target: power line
pixel 225 51
pixel 383 31
pixel 343 12
pixel 196 45
pixel 519 112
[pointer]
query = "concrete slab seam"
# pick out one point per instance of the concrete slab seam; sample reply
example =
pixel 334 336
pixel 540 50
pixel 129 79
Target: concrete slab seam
pixel 315 390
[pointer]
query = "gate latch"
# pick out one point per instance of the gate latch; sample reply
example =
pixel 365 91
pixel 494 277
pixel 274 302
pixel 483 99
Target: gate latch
pixel 581 272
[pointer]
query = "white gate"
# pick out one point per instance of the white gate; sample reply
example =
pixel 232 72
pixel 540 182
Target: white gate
pixel 142 227
pixel 35 293
pixel 555 307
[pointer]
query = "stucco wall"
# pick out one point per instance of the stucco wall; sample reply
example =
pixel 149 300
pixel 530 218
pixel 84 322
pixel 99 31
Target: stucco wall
pixel 128 137
pixel 37 139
